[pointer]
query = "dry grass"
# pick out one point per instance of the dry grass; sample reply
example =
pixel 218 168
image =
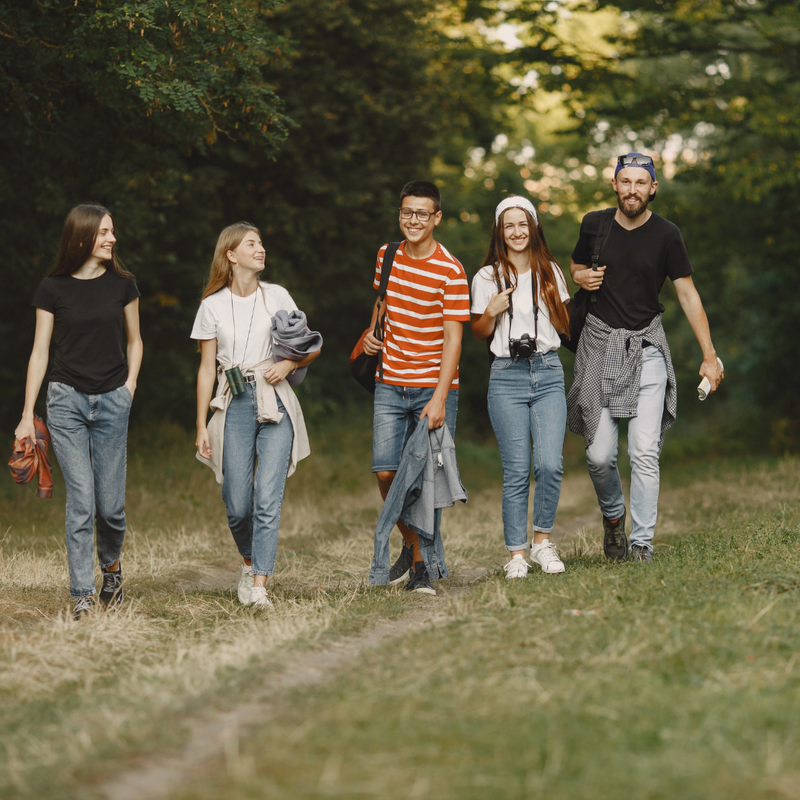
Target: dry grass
pixel 75 696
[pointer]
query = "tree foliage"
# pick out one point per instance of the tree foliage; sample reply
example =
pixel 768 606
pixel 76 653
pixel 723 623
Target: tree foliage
pixel 175 114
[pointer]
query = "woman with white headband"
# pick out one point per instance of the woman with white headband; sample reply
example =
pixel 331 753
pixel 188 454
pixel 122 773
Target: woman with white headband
pixel 519 304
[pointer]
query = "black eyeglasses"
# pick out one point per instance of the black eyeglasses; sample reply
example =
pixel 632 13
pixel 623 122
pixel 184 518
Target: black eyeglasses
pixel 422 216
pixel 640 161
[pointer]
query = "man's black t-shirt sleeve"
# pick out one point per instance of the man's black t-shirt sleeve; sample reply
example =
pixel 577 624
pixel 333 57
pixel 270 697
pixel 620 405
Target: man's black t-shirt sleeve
pixel 582 254
pixel 677 259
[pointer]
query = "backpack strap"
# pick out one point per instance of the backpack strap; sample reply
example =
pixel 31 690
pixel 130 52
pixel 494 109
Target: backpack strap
pixel 386 269
pixel 600 239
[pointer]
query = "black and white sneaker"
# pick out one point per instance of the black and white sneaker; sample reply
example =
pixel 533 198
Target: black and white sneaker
pixel 111 592
pixel 419 581
pixel 83 607
pixel 401 567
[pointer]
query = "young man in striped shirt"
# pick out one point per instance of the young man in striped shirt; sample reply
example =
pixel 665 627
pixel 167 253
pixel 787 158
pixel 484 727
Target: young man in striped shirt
pixel 427 302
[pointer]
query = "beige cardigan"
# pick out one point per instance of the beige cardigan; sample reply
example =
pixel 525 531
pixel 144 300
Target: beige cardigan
pixel 268 411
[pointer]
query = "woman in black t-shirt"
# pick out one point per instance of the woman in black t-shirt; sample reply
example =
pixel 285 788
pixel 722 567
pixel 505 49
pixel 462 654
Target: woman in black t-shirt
pixel 90 302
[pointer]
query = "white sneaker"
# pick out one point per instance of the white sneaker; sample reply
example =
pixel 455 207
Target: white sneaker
pixel 245 585
pixel 259 599
pixel 544 554
pixel 517 567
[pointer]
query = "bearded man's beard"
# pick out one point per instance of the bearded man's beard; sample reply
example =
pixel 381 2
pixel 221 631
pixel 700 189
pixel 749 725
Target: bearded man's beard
pixel 632 211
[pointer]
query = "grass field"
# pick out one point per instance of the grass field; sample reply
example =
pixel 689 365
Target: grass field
pixel 684 682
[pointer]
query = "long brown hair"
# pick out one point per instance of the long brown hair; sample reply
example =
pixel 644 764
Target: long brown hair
pixel 78 238
pixel 221 273
pixel 543 267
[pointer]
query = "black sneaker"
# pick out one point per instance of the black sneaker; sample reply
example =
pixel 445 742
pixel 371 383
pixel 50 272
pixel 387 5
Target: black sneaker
pixel 641 553
pixel 402 566
pixel 615 542
pixel 419 581
pixel 111 593
pixel 83 606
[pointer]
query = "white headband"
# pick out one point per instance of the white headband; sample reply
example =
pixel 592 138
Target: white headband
pixel 515 201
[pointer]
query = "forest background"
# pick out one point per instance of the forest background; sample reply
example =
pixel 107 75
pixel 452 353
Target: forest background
pixel 306 117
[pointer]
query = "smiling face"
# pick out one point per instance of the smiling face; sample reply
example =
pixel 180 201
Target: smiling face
pixel 104 241
pixel 414 229
pixel 249 254
pixel 516 230
pixel 635 188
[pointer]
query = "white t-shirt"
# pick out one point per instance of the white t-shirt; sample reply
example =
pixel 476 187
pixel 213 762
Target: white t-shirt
pixel 224 316
pixel 483 287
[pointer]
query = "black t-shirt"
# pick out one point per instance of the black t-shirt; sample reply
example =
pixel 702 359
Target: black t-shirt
pixel 89 329
pixel 638 262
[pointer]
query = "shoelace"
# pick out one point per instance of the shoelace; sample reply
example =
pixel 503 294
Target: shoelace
pixel 549 552
pixel 516 565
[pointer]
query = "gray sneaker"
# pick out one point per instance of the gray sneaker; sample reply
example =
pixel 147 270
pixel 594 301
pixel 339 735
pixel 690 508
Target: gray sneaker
pixel 83 607
pixel 641 553
pixel 615 542
pixel 111 591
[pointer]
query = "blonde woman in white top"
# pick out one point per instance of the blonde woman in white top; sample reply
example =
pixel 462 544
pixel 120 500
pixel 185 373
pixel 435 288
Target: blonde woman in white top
pixel 257 434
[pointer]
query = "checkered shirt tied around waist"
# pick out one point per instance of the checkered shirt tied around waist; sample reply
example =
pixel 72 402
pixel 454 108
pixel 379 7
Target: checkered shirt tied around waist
pixel 608 371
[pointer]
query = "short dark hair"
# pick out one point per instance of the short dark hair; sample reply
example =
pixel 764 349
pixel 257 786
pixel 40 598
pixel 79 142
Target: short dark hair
pixel 422 189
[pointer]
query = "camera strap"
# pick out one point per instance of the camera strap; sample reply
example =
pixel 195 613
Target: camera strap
pixel 249 327
pixel 535 310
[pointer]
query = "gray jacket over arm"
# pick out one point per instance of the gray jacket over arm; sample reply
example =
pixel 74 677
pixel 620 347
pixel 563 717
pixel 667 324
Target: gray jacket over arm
pixel 426 481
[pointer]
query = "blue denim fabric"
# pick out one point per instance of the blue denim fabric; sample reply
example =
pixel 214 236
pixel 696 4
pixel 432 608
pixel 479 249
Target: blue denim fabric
pixel 90 439
pixel 426 481
pixel 395 418
pixel 644 434
pixel 255 461
pixel 397 410
pixel 527 405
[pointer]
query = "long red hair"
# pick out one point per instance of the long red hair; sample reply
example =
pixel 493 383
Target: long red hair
pixel 543 266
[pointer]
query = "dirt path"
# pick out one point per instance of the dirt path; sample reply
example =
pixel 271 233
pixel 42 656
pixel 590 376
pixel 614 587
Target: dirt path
pixel 215 738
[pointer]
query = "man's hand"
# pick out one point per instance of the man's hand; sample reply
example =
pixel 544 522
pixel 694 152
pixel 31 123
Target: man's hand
pixel 435 411
pixel 713 371
pixel 372 344
pixel 589 279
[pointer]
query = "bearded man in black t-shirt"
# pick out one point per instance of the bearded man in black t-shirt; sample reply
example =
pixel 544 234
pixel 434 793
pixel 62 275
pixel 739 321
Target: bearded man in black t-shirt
pixel 623 367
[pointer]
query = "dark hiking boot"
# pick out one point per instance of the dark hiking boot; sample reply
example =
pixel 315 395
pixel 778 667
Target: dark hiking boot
pixel 641 553
pixel 615 542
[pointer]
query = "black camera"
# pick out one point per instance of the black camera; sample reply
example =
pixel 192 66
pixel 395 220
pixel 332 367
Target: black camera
pixel 524 347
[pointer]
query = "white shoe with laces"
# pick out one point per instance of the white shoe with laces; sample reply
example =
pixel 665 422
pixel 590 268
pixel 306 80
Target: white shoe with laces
pixel 517 567
pixel 245 585
pixel 259 599
pixel 544 554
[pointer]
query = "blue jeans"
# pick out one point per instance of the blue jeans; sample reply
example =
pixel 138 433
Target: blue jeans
pixel 396 413
pixel 395 417
pixel 90 439
pixel 527 405
pixel 644 433
pixel 255 461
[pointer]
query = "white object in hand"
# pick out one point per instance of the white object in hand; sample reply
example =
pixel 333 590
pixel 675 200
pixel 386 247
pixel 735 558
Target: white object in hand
pixel 704 389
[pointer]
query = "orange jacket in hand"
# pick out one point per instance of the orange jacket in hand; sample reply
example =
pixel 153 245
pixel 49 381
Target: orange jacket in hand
pixel 29 458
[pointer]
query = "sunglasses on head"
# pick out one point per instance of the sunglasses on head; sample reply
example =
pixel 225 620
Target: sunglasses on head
pixel 639 161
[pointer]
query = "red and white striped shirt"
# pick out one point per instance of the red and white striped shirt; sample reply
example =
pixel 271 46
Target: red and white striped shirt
pixel 421 294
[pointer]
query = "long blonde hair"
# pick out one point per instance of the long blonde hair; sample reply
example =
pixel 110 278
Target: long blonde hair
pixel 221 273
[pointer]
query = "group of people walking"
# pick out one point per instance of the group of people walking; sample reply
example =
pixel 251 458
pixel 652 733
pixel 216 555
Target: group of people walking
pixel 520 305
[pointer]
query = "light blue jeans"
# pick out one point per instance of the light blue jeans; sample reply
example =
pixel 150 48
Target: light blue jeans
pixel 255 461
pixel 644 434
pixel 527 406
pixel 90 439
